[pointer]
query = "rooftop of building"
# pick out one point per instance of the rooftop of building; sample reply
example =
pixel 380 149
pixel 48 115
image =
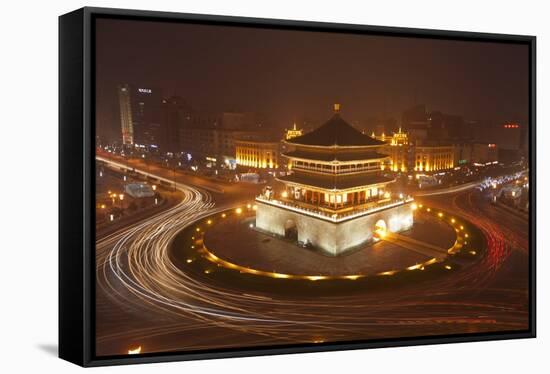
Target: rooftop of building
pixel 335 182
pixel 258 137
pixel 335 156
pixel 335 132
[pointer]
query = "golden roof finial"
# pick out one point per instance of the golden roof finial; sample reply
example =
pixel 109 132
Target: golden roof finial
pixel 336 108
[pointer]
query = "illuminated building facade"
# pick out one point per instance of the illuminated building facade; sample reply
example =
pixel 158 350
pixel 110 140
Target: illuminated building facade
pixel 211 143
pixel 429 158
pixel 126 124
pixel 257 154
pixel 140 112
pixel 405 156
pixel 293 133
pixel 398 150
pixel 335 197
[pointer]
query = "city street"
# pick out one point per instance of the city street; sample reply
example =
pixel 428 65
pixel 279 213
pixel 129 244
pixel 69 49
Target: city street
pixel 145 300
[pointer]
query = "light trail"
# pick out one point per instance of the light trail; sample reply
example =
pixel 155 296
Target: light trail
pixel 122 166
pixel 187 309
pixel 449 190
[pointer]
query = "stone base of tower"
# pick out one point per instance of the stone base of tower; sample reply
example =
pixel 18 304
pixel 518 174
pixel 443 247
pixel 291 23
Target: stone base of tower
pixel 330 237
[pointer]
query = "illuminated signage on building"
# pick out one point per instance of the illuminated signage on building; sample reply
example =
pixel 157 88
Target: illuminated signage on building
pixel 145 90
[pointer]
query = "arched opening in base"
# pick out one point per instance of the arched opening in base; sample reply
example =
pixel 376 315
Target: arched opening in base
pixel 380 230
pixel 291 231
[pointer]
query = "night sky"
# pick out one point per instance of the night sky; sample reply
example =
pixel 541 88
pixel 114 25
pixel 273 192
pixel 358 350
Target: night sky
pixel 295 74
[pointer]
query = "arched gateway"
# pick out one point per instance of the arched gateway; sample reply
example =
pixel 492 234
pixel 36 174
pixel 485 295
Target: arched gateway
pixel 380 229
pixel 291 230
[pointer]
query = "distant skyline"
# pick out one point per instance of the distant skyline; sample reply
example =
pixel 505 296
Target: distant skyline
pixel 286 75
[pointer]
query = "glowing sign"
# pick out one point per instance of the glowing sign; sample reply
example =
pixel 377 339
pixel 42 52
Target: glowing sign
pixel 145 90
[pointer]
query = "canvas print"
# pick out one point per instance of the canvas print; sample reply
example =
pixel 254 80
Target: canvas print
pixel 263 187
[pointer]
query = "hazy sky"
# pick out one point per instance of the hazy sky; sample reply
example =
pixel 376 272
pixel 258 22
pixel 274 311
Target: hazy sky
pixel 294 74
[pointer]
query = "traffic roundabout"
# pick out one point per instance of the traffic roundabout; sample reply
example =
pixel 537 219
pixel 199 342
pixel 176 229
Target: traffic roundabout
pixel 227 245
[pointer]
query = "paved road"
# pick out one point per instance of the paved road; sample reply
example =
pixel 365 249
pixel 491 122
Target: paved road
pixel 143 299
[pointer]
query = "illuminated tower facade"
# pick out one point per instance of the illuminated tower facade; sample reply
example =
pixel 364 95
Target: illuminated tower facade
pixel 126 123
pixel 335 194
pixel 293 133
pixel 139 115
pixel 399 151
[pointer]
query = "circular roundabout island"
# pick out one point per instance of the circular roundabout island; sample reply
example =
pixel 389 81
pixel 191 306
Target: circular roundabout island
pixel 226 246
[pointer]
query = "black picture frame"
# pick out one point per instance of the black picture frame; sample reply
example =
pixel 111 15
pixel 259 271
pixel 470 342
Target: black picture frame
pixel 76 183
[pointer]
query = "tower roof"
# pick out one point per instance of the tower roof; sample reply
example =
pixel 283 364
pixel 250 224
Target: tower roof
pixel 332 156
pixel 335 132
pixel 334 182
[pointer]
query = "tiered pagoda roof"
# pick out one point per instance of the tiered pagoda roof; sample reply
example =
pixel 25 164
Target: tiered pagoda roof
pixel 352 157
pixel 334 156
pixel 335 182
pixel 335 133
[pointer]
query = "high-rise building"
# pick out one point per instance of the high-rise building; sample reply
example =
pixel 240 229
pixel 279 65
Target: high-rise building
pixel 126 123
pixel 507 136
pixel 416 123
pixel 176 115
pixel 139 115
pixel 213 137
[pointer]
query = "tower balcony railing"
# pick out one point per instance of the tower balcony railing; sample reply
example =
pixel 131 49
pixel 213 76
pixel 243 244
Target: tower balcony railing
pixel 336 217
